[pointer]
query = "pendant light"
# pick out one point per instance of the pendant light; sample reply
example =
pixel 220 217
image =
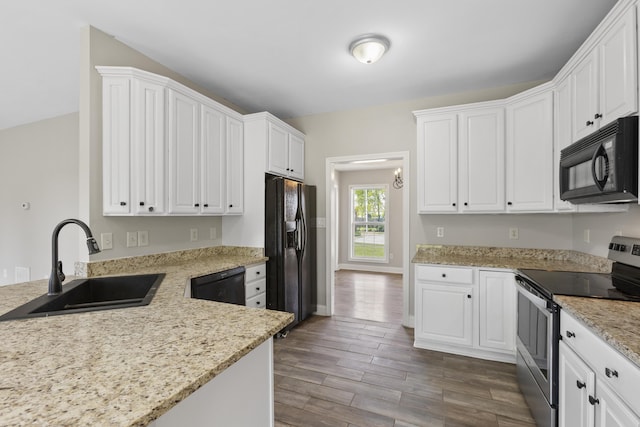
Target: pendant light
pixel 369 48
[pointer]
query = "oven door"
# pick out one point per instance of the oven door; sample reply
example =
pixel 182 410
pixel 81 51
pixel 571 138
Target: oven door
pixel 537 335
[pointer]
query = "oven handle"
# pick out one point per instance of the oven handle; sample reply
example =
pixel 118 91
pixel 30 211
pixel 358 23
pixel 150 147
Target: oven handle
pixel 531 294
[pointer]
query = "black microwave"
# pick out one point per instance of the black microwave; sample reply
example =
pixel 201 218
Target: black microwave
pixel 602 167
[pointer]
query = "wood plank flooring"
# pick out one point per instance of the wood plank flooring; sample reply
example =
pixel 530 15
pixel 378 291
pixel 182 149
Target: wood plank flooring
pixel 346 372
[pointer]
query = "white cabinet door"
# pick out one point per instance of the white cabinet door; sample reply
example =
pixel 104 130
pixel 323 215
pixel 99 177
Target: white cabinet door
pixel 116 104
pixel 563 138
pixel 611 411
pixel 184 147
pixel 296 157
pixel 148 148
pixel 445 313
pixel 278 150
pixel 437 163
pixel 530 153
pixel 481 160
pixel 585 96
pixel 576 382
pixel 497 315
pixel 213 162
pixel 618 96
pixel 235 166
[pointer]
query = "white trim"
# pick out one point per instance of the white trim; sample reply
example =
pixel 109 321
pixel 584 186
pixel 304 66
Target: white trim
pixel 330 201
pixel 371 268
pixel 321 310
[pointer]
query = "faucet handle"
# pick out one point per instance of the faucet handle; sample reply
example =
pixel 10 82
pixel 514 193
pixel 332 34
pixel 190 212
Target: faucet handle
pixel 61 275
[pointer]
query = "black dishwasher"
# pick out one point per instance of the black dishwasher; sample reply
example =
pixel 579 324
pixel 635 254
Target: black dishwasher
pixel 224 286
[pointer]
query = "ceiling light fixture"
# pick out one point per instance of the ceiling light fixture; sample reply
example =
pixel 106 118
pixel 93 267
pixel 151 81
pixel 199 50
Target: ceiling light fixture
pixel 369 48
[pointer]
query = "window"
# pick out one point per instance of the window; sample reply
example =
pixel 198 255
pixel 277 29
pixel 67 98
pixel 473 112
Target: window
pixel 368 237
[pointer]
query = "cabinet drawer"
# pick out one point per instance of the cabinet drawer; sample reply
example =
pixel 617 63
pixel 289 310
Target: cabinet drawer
pixel 611 367
pixel 258 301
pixel 444 274
pixel 255 287
pixel 256 272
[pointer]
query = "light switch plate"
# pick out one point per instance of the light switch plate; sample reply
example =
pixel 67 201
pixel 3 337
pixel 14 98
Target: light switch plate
pixel 132 239
pixel 194 234
pixel 143 238
pixel 106 241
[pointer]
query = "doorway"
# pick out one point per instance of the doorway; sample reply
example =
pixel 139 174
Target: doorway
pixel 334 166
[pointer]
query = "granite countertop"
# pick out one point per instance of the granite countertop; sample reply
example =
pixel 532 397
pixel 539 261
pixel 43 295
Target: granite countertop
pixel 125 367
pixel 616 322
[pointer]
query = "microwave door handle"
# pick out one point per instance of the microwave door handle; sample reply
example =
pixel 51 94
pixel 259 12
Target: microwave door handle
pixel 600 153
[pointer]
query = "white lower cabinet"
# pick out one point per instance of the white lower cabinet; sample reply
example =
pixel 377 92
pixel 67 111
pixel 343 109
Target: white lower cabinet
pixel 597 385
pixel 465 310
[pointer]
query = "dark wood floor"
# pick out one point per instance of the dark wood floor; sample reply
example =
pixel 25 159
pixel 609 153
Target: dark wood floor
pixel 341 371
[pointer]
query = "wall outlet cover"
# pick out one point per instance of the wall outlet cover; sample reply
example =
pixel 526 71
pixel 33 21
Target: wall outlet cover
pixel 439 231
pixel 194 234
pixel 514 233
pixel 106 241
pixel 143 238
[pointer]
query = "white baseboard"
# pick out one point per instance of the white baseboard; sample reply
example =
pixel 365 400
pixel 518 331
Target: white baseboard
pixel 411 322
pixel 371 268
pixel 321 310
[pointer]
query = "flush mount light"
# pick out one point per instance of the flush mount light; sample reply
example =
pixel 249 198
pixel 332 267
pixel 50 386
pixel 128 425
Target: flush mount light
pixel 369 48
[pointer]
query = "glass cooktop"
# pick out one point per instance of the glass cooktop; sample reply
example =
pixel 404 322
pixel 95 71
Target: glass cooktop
pixel 592 285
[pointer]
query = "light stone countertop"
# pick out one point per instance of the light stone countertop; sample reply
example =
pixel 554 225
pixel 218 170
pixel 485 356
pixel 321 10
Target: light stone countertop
pixel 125 367
pixel 616 322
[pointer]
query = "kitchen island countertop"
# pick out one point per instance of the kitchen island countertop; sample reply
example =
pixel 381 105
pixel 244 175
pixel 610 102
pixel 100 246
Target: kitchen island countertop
pixel 125 367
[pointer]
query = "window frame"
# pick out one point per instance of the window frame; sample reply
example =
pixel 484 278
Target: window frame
pixel 353 223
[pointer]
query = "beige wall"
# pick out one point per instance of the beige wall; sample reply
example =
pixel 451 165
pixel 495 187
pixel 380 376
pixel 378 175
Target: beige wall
pixel 392 128
pixel 601 227
pixel 165 233
pixel 38 165
pixel 394 217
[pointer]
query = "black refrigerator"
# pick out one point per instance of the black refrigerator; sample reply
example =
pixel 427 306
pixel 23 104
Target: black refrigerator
pixel 290 211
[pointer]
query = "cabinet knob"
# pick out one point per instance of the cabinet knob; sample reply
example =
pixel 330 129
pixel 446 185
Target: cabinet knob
pixel 466 204
pixel 509 203
pixel 610 373
pixel 257 302
pixel 257 289
pixel 230 206
pixel 589 122
pixel 150 208
pixel 570 334
pixel 593 400
pixel 469 296
pixel 580 384
pixel 197 205
pixel 444 275
pixel 453 204
pixel 206 205
pixel 141 203
pixel 597 116
pixel 123 203
pixel 258 273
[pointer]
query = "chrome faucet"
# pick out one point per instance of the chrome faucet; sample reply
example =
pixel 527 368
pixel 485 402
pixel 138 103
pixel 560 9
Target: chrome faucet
pixel 57 276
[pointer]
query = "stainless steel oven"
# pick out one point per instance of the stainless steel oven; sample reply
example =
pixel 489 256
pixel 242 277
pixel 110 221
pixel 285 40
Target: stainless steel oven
pixel 538 329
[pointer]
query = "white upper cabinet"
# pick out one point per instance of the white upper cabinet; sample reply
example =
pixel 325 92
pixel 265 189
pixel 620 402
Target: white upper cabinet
pixel 116 154
pixel 285 152
pixel 605 84
pixel 184 154
pixel 437 163
pixel 235 167
pixel 168 150
pixel 530 151
pixel 563 137
pixel 282 144
pixel 481 160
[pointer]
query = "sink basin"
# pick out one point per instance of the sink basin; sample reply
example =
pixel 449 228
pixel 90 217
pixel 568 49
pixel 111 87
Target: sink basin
pixel 100 293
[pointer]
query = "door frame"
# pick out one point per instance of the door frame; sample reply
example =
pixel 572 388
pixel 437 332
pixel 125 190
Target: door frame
pixel 331 220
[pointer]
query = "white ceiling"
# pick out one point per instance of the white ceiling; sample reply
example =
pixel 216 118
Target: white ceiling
pixel 290 56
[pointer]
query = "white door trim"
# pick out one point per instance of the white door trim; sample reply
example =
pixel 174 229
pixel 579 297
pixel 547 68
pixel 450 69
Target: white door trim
pixel 331 243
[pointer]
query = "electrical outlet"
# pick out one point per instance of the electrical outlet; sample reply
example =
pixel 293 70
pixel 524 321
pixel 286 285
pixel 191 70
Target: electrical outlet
pixel 586 235
pixel 132 239
pixel 390 256
pixel 513 233
pixel 213 233
pixel 106 241
pixel 143 238
pixel 194 234
pixel 440 231
pixel 618 233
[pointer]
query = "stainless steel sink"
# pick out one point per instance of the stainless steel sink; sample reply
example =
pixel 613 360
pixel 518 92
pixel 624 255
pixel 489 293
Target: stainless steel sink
pixel 100 293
